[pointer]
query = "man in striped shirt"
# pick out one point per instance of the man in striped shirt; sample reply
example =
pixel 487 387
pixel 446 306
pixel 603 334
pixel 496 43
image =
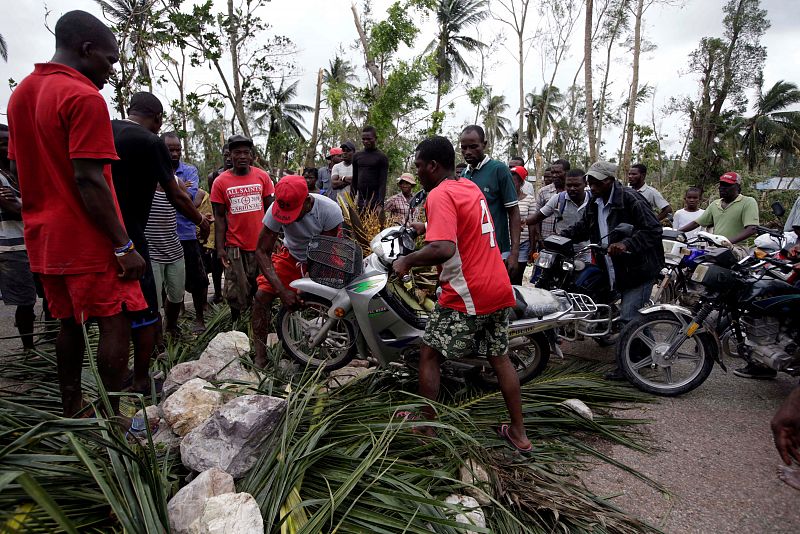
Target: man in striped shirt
pixel 166 257
pixel 16 279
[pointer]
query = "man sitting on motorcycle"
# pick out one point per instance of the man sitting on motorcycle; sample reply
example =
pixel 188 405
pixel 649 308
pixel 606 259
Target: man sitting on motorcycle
pixel 632 263
pixel 300 215
pixel 471 315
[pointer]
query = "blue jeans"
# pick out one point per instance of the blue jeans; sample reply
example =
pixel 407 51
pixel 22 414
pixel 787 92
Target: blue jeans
pixel 633 300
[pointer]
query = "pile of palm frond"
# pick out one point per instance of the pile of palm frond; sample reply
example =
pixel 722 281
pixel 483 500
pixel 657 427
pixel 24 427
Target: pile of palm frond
pixel 341 462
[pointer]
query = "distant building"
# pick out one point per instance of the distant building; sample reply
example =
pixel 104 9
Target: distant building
pixel 784 183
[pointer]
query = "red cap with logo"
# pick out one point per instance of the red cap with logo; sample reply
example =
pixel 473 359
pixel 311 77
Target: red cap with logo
pixel 290 194
pixel 522 172
pixel 730 178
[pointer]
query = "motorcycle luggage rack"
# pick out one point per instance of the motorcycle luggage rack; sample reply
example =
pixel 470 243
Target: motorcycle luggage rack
pixel 333 261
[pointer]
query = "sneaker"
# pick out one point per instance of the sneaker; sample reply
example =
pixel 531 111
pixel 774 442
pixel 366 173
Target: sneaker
pixel 754 371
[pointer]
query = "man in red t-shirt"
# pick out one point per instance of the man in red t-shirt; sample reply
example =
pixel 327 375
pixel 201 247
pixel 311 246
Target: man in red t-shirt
pixel 240 197
pixel 61 147
pixel 471 316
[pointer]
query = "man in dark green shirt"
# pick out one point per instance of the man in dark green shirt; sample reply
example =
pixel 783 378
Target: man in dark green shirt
pixel 493 177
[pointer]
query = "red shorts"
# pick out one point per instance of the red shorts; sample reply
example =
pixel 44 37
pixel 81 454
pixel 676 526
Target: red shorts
pixel 88 295
pixel 287 268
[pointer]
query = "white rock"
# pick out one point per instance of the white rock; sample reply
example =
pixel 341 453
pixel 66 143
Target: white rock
pixel 230 513
pixel 579 407
pixel 231 439
pixel 342 376
pixel 190 501
pixel 473 473
pixel 183 372
pixel 164 437
pixel 153 414
pixel 225 348
pixel 190 406
pixel 472 517
pixel 272 339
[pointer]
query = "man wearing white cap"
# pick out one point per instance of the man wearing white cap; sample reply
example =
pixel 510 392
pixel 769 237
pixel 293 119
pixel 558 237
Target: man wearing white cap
pixel 397 206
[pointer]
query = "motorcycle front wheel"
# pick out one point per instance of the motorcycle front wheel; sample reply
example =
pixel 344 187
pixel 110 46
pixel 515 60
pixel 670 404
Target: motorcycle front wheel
pixel 640 354
pixel 529 356
pixel 297 328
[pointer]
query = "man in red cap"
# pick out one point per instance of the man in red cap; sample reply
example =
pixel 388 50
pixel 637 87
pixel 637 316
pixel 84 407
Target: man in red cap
pixel 324 173
pixel 300 215
pixel 733 215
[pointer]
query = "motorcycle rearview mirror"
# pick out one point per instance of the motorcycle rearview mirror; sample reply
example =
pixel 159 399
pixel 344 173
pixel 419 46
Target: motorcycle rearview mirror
pixel 418 199
pixel 777 209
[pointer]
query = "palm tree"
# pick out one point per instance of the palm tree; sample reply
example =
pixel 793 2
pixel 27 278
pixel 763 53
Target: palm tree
pixel 541 110
pixel 338 79
pixel 494 123
pixel 283 119
pixel 3 49
pixel 771 128
pixel 454 17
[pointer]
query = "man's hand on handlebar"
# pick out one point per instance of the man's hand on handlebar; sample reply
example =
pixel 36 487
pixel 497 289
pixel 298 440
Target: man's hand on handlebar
pixel 400 266
pixel 418 227
pixel 617 249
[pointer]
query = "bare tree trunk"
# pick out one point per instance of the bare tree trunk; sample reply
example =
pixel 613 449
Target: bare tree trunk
pixel 587 76
pixel 520 137
pixel 312 146
pixel 372 67
pixel 658 139
pixel 238 99
pixel 637 46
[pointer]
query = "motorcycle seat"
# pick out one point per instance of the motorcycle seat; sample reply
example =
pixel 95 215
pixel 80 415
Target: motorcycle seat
pixel 534 302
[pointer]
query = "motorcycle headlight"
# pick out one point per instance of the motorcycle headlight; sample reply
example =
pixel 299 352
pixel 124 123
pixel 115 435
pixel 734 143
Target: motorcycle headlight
pixel 545 260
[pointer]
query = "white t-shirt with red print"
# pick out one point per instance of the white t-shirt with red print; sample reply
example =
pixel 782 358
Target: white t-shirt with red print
pixel 474 281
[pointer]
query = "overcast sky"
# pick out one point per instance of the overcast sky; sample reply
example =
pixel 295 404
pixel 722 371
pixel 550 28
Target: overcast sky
pixel 320 27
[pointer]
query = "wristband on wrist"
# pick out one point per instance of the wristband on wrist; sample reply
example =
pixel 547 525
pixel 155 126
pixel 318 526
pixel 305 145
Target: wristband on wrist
pixel 127 248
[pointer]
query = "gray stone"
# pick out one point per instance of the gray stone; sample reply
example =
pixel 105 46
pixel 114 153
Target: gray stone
pixel 231 439
pixel 228 514
pixel 183 372
pixel 342 376
pixel 579 407
pixel 153 415
pixel 192 404
pixel 189 503
pixel 225 350
pixel 474 473
pixel 473 516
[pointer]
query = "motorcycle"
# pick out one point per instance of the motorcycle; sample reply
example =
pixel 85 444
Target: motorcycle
pixel 355 306
pixel 670 349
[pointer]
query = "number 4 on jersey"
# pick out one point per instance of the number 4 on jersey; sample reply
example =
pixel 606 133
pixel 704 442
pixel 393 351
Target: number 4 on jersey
pixel 486 223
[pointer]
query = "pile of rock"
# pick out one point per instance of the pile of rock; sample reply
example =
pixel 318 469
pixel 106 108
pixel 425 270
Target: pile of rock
pixel 220 431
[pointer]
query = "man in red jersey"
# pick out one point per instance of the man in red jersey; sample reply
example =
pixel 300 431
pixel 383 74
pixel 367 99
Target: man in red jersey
pixel 61 147
pixel 240 197
pixel 471 316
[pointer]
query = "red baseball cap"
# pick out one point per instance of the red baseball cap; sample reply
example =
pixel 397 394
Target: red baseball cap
pixel 730 178
pixel 522 172
pixel 291 192
pixel 335 151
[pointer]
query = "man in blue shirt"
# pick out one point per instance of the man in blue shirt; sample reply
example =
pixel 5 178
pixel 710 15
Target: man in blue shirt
pixel 493 177
pixel 196 277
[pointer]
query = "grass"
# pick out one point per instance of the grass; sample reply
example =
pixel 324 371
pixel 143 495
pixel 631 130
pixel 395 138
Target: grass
pixel 339 463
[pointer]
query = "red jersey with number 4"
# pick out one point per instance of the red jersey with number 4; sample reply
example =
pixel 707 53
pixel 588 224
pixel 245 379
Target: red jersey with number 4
pixel 474 280
pixel 243 198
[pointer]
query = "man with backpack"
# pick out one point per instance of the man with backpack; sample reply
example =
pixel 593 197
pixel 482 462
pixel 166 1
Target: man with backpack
pixel 565 208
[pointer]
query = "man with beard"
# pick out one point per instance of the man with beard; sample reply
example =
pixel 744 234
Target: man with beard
pixel 144 162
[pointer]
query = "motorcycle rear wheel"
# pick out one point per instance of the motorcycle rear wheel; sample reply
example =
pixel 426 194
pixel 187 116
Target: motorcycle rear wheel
pixel 638 355
pixel 296 329
pixel 528 358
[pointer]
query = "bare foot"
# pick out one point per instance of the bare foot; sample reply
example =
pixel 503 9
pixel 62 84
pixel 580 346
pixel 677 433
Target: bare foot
pixel 790 475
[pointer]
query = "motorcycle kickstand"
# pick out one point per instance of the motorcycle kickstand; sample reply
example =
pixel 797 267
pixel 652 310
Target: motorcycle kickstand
pixel 556 348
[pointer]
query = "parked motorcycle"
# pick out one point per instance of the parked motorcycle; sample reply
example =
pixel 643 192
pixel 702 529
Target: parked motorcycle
pixel 360 307
pixel 671 349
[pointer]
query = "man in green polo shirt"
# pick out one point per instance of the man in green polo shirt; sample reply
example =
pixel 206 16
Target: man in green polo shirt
pixel 733 215
pixel 493 177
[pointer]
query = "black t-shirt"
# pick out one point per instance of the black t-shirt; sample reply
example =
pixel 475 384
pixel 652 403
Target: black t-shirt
pixel 144 161
pixel 370 169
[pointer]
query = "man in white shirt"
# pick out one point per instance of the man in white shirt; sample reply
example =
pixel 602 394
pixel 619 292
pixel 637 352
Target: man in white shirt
pixel 636 179
pixel 342 172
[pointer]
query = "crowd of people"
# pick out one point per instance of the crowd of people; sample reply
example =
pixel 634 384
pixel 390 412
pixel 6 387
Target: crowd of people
pixel 114 226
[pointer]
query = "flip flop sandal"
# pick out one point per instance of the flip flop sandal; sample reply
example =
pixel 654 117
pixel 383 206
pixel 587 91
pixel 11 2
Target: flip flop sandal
pixel 502 432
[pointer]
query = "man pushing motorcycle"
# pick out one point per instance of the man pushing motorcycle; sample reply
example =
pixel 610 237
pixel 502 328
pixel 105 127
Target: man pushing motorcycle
pixel 472 313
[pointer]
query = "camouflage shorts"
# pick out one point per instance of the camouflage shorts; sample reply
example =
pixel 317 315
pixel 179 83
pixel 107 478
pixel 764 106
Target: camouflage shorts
pixel 240 278
pixel 456 334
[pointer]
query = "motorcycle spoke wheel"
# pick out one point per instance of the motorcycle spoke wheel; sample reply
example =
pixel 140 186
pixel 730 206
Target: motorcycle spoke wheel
pixel 645 355
pixel 299 327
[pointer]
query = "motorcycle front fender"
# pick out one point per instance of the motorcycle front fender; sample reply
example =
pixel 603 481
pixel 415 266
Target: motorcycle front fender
pixel 337 297
pixel 685 316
